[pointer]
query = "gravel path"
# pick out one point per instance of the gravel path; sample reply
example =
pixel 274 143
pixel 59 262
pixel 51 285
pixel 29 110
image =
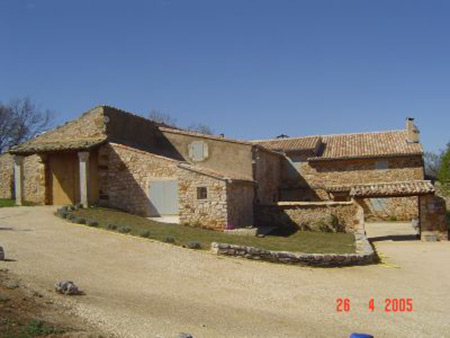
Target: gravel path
pixel 140 288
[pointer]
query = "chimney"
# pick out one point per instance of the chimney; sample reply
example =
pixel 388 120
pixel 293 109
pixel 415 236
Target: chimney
pixel 412 131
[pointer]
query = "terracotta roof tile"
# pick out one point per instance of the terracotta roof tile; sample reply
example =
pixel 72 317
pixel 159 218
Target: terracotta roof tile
pixel 292 144
pixel 408 188
pixel 347 146
pixel 35 146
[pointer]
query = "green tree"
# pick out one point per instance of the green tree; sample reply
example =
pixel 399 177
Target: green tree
pixel 444 170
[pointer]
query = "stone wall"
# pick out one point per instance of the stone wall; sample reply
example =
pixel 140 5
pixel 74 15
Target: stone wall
pixel 6 175
pixel 391 209
pixel 34 179
pixel 211 212
pixel 320 174
pixel 90 124
pixel 364 254
pixel 226 156
pixel 267 174
pixel 433 218
pixel 128 174
pixel 240 198
pixel 316 216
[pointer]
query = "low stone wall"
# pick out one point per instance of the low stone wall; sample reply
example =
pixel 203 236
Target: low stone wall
pixel 364 254
pixel 315 216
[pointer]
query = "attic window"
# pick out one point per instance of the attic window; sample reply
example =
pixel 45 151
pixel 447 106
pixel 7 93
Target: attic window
pixel 198 151
pixel 202 193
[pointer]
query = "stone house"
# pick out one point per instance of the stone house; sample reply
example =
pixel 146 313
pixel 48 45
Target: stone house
pixel 328 167
pixel 113 158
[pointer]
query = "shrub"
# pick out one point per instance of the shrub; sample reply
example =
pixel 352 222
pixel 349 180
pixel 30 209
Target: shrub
pixel 393 218
pixel 194 245
pixel 92 223
pixel 169 239
pixel 144 233
pixel 111 227
pixel 79 206
pixel 81 220
pixel 124 230
pixel 336 225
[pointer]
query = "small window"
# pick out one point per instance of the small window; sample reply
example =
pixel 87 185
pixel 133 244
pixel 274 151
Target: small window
pixel 202 193
pixel 382 165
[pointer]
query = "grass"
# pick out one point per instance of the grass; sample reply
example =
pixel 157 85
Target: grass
pixel 301 241
pixel 6 202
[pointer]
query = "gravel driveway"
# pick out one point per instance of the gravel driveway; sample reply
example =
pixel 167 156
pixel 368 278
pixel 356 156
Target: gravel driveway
pixel 139 288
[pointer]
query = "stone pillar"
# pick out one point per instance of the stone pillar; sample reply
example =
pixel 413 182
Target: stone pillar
pixel 433 218
pixel 18 179
pixel 84 178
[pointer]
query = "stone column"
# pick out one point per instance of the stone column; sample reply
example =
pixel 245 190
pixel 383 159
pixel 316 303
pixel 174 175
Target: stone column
pixel 18 179
pixel 84 178
pixel 433 218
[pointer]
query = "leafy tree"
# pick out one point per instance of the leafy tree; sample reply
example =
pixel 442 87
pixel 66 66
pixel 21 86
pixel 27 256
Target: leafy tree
pixel 20 120
pixel 444 170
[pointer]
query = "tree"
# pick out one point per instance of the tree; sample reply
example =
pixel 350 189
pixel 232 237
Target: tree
pixel 201 128
pixel 157 116
pixel 444 170
pixel 20 120
pixel 432 163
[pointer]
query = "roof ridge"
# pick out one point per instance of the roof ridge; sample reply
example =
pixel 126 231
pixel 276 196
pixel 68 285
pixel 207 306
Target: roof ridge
pixel 331 135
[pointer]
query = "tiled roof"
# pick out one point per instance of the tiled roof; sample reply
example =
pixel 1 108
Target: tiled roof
pixel 34 146
pixel 348 146
pixel 297 144
pixel 408 188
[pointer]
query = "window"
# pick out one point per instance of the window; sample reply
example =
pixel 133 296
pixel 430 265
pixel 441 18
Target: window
pixel 202 193
pixel 198 151
pixel 382 165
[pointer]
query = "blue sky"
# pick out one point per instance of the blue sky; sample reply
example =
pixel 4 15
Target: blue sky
pixel 248 68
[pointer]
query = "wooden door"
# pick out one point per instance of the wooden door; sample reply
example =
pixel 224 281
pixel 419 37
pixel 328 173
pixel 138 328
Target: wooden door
pixel 64 175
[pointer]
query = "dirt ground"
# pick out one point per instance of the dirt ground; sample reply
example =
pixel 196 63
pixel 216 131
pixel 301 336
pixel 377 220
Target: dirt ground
pixel 27 313
pixel 139 288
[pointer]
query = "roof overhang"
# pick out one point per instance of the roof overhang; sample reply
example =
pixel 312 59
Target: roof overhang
pixel 61 146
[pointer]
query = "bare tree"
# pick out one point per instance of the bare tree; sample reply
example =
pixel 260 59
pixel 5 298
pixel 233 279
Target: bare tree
pixel 157 116
pixel 21 120
pixel 200 128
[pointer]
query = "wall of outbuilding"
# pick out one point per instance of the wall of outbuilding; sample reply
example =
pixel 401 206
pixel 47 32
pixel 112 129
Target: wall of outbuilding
pixel 6 175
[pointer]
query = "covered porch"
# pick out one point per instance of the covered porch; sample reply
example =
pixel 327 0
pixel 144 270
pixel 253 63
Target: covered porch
pixel 62 173
pixel 432 220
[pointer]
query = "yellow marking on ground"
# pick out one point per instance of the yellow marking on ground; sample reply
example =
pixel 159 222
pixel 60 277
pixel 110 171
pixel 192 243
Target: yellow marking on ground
pixel 383 259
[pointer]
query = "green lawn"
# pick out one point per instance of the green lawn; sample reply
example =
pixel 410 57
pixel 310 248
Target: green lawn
pixel 7 203
pixel 308 242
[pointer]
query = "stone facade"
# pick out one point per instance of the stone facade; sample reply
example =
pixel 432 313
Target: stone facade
pixel 6 175
pixel 211 212
pixel 89 125
pixel 34 179
pixel 267 173
pixel 240 202
pixel 433 218
pixel 316 216
pixel 124 181
pixel 391 209
pixel 309 179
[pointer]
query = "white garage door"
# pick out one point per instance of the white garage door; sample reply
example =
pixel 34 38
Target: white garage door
pixel 163 197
